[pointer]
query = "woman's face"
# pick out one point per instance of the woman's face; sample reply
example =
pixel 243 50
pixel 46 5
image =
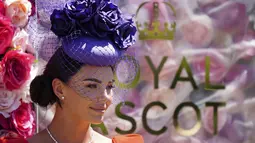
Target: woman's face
pixel 89 93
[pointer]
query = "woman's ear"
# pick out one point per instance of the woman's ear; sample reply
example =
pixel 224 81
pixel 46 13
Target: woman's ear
pixel 58 88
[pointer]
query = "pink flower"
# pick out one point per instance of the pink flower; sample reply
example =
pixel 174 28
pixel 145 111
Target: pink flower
pixel 218 65
pixel 18 11
pixel 23 119
pixel 6 33
pixel 2 8
pixel 246 51
pixel 236 71
pixel 10 137
pixel 246 36
pixel 230 16
pixel 198 30
pixel 16 69
pixel 209 120
pixel 9 101
pixel 7 135
pixel 207 5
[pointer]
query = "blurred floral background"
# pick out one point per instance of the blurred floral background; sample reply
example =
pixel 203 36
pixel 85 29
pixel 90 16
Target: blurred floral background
pixel 220 29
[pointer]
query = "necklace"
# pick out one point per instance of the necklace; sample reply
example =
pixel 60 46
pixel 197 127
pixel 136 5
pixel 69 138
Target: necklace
pixel 51 136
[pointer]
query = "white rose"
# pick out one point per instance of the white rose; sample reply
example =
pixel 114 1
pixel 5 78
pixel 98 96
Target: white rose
pixel 21 40
pixel 18 11
pixel 9 101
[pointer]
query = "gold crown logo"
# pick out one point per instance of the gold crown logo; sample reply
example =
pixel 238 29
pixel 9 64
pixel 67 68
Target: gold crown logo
pixel 155 33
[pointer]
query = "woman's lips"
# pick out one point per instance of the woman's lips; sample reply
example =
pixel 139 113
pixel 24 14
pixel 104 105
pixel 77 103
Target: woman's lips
pixel 102 110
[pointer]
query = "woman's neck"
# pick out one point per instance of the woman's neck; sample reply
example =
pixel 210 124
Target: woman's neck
pixel 68 128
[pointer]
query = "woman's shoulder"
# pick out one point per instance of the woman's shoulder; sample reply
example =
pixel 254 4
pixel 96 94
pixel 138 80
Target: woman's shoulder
pixel 135 138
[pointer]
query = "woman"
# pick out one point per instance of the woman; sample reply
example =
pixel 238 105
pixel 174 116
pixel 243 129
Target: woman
pixel 79 77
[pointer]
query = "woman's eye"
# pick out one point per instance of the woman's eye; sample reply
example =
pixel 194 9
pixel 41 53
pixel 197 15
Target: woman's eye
pixel 92 86
pixel 110 87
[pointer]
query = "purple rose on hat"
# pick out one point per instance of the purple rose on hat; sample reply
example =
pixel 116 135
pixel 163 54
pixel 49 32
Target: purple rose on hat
pixel 96 18
pixel 124 36
pixel 61 25
pixel 110 15
pixel 105 21
pixel 81 10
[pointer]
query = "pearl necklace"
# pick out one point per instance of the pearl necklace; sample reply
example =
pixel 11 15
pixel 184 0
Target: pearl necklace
pixel 51 136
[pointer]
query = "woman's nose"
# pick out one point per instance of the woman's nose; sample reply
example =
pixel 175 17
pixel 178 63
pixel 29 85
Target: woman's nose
pixel 105 95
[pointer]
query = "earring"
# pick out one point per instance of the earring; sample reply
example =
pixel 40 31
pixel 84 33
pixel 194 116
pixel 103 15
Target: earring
pixel 62 97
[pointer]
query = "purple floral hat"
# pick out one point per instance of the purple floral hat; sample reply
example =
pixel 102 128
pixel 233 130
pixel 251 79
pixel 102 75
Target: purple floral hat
pixel 93 32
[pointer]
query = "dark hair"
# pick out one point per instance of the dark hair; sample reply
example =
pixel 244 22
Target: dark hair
pixel 60 66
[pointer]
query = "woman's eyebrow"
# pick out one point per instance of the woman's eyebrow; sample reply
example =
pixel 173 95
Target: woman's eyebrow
pixel 112 81
pixel 93 79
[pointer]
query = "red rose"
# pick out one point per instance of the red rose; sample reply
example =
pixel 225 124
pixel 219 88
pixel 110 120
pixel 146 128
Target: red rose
pixel 4 122
pixel 7 135
pixel 218 65
pixel 23 120
pixel 6 33
pixel 16 69
pixel 2 7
